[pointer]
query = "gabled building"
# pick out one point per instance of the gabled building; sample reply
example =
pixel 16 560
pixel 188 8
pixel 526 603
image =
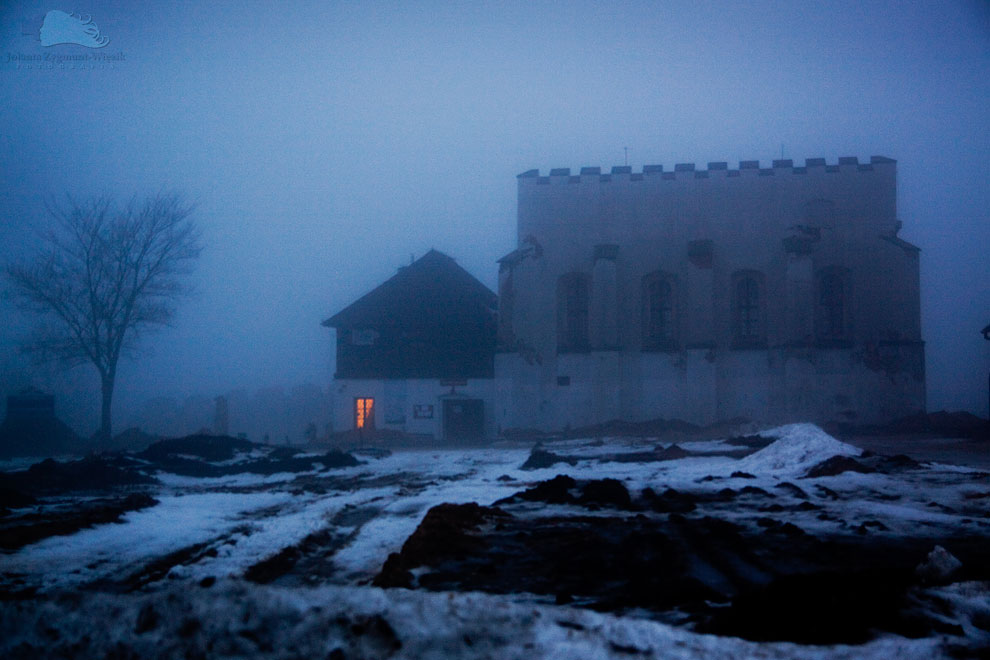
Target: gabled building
pixel 776 294
pixel 416 355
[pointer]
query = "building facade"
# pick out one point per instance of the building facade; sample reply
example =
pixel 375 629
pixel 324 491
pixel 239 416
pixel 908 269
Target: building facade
pixel 773 294
pixel 416 355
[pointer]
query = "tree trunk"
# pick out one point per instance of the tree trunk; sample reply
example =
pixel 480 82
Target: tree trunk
pixel 107 387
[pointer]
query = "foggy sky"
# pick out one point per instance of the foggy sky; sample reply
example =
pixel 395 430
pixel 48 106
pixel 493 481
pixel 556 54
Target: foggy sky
pixel 326 142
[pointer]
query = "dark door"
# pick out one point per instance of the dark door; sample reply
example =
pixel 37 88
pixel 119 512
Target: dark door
pixel 463 419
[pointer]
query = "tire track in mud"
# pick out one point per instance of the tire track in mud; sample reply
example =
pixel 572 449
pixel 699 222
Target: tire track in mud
pixel 159 567
pixel 308 561
pixel 311 560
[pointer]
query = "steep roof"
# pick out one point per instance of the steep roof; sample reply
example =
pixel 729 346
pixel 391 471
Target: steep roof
pixel 432 290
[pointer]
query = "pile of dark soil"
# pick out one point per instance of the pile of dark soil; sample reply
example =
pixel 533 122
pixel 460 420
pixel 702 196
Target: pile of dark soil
pixel 778 582
pixel 93 473
pixel 541 458
pixel 837 465
pixel 46 483
pixel 751 441
pixel 595 494
pixel 214 448
pixel 17 531
pixel 867 463
pixel 295 463
pixel 198 455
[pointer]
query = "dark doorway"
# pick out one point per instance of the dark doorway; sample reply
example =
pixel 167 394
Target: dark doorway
pixel 463 419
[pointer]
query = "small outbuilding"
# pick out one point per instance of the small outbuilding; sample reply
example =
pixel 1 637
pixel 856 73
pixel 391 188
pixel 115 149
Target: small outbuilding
pixel 30 427
pixel 416 355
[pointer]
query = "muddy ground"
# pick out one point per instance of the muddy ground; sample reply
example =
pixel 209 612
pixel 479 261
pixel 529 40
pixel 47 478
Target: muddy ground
pixel 805 559
pixel 640 552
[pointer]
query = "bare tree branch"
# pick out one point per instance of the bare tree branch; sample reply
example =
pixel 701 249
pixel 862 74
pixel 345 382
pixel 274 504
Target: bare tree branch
pixel 103 277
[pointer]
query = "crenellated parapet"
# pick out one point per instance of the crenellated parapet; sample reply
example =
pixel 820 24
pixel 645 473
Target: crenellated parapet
pixel 780 167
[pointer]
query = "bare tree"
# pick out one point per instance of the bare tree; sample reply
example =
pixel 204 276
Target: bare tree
pixel 102 276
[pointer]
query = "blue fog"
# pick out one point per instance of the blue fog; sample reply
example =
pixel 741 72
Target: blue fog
pixel 326 142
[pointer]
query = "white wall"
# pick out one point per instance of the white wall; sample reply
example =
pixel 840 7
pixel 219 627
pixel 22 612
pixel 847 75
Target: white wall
pixel 396 402
pixel 747 214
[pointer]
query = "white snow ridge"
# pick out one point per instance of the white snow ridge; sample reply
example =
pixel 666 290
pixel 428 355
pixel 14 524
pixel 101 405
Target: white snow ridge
pixel 797 448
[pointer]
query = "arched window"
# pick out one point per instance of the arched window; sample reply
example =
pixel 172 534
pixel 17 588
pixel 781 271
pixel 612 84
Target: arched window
pixel 832 313
pixel 748 307
pixel 572 313
pixel 659 312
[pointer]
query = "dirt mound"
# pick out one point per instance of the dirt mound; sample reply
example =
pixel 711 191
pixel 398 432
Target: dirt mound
pixel 837 465
pixel 447 531
pixel 539 458
pixel 562 489
pixel 38 437
pixel 18 531
pixel 866 464
pixel 272 464
pixel 49 477
pixel 752 441
pixel 613 565
pixel 552 491
pixel 777 582
pixel 214 456
pixel 671 453
pixel 214 448
pixel 605 493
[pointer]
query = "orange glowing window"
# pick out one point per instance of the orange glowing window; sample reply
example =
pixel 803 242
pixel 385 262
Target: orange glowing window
pixel 364 413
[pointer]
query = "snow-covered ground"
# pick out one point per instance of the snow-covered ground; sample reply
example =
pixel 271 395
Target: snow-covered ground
pixel 234 619
pixel 218 528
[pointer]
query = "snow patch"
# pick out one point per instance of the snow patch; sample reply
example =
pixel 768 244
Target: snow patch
pixel 235 619
pixel 797 448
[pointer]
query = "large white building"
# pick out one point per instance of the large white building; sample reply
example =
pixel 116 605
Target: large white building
pixel 774 294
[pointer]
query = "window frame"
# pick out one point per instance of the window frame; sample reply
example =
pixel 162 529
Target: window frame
pixel 749 310
pixel 667 338
pixel 364 413
pixel 573 323
pixel 832 318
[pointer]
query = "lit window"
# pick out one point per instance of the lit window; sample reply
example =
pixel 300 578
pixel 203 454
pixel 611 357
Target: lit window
pixel 364 413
